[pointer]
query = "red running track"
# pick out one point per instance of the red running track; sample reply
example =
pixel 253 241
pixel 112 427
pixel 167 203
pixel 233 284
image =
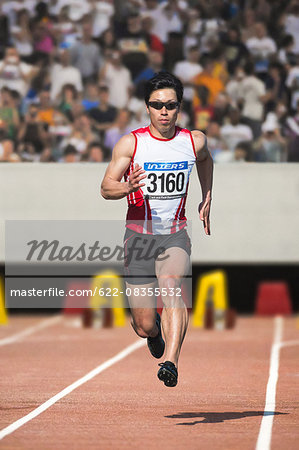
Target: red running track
pixel 218 404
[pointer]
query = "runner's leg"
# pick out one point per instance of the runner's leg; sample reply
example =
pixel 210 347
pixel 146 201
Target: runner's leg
pixel 143 309
pixel 170 272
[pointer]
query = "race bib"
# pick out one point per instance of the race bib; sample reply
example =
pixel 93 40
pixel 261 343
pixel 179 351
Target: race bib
pixel 165 180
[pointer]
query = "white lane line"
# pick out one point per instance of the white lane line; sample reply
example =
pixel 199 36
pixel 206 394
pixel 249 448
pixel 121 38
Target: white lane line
pixel 28 331
pixel 264 437
pixel 289 343
pixel 36 412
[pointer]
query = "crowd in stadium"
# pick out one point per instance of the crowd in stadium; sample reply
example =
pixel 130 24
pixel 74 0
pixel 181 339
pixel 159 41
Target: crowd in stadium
pixel 72 74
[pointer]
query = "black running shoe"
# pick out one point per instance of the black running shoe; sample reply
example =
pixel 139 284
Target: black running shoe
pixel 168 373
pixel 156 344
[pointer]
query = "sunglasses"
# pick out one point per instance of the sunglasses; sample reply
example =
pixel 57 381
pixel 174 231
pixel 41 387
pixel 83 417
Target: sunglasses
pixel 168 106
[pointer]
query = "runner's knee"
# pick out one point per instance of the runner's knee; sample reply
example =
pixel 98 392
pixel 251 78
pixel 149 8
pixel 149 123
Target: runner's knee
pixel 143 326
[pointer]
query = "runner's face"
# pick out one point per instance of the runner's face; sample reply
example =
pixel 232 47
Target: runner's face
pixel 163 119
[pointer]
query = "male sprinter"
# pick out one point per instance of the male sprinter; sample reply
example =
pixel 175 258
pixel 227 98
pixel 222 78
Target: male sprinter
pixel 156 162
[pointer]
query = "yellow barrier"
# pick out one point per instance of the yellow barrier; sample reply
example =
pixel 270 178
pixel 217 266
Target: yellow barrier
pixel 109 285
pixel 3 315
pixel 213 287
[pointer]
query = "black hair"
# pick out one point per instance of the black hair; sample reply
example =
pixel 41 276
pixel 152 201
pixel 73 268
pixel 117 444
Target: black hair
pixel 163 80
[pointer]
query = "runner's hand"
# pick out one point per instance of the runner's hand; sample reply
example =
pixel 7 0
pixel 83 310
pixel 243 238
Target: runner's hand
pixel 204 214
pixel 134 179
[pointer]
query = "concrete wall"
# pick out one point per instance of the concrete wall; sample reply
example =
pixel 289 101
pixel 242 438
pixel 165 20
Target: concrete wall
pixel 254 219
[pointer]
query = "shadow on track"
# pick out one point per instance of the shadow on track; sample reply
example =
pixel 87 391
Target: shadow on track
pixel 217 417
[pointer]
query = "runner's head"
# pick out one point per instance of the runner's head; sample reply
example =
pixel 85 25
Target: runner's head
pixel 163 80
pixel 163 95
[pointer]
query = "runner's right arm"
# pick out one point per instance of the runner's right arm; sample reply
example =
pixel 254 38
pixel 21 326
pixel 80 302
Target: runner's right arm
pixel 112 188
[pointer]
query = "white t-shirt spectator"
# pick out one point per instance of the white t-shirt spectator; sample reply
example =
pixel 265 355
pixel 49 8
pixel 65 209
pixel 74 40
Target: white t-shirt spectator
pixel 102 15
pixel 261 47
pixel 233 134
pixel 11 76
pixel 186 70
pixel 61 75
pixel 164 22
pixel 119 81
pixel 292 82
pixel 251 89
pixel 291 27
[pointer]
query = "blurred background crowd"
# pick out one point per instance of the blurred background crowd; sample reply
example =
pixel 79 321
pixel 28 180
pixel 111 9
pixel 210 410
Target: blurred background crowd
pixel 72 74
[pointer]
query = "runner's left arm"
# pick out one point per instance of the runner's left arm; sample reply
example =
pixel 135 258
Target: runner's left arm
pixel 204 166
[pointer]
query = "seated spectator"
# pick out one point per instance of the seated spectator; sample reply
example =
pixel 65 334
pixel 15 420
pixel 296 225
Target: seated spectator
pixel 243 152
pixel 22 36
pixel 91 99
pixel 203 113
pixel 32 132
pixel 120 128
pixel 70 154
pixel 64 73
pixel 234 132
pixel 104 115
pixel 235 52
pixel 134 44
pixel 155 65
pixel 206 78
pixel 81 135
pixel 261 47
pixel 94 153
pixel 275 87
pixel 14 73
pixel 9 115
pixel 43 41
pixel 216 144
pixel 68 99
pixel 7 152
pixel 46 111
pixel 233 86
pixel 155 43
pixel 286 54
pixel 291 131
pixel 292 82
pixel 186 70
pixel 107 40
pixel 86 55
pixel 271 146
pixel 252 95
pixel 102 13
pixel 118 79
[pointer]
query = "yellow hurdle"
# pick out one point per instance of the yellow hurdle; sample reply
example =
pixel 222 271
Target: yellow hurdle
pixel 211 286
pixel 110 285
pixel 3 315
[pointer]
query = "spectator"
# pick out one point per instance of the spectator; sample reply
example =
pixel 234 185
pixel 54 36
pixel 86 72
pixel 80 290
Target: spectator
pixel 291 24
pixel 107 41
pixel 7 153
pixel 252 94
pixel 46 110
pixel 94 153
pixel 155 43
pixel 235 52
pixel 104 115
pixel 292 82
pixel 118 79
pixel 42 38
pixel 70 154
pixel 64 73
pixel 134 44
pixel 286 54
pixel 9 115
pixel 85 55
pixel 32 133
pixel 186 70
pixel 155 65
pixel 102 13
pixel 206 78
pixel 22 36
pixel 216 144
pixel 271 146
pixel 14 74
pixel 170 18
pixel 68 100
pixel 91 98
pixel 243 152
pixel 120 128
pixel 261 47
pixel 234 132
pixel 82 133
pixel 291 131
pixel 203 113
